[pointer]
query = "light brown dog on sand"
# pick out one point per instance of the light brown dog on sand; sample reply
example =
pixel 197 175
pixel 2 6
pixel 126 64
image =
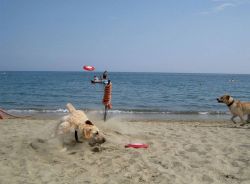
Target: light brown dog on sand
pixel 236 107
pixel 78 121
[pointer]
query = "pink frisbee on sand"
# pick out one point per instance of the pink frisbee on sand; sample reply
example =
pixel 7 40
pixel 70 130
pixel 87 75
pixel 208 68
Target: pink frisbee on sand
pixel 136 145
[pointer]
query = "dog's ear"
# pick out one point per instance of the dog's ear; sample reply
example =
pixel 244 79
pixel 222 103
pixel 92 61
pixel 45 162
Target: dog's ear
pixel 89 122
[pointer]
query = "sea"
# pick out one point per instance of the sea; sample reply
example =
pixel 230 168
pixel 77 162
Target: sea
pixel 148 96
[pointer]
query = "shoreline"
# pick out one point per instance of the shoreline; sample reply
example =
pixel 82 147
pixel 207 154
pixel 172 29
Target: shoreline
pixel 141 116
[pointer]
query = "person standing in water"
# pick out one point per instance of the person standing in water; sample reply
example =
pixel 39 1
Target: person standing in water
pixel 105 75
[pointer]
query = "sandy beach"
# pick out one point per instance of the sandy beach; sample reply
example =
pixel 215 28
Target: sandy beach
pixel 179 152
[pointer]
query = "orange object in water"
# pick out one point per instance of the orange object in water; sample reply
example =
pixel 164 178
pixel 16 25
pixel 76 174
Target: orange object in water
pixel 107 96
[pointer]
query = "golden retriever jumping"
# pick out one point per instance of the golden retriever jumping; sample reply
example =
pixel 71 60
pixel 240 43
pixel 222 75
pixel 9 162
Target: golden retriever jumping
pixel 78 121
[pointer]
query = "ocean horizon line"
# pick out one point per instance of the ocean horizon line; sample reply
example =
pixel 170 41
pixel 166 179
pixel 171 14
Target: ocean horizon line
pixel 140 72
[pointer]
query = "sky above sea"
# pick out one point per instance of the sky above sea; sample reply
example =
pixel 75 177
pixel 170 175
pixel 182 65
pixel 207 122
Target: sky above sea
pixel 208 36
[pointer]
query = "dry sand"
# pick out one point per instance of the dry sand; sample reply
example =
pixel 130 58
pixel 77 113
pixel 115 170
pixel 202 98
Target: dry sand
pixel 179 152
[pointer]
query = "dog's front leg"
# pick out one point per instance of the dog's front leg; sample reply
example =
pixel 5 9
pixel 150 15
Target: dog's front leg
pixel 248 118
pixel 76 137
pixel 242 120
pixel 232 118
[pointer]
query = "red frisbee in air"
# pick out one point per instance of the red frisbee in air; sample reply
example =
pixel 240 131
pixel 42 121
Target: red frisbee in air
pixel 88 68
pixel 136 145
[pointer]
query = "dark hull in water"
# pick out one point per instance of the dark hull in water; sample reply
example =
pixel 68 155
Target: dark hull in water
pixel 99 81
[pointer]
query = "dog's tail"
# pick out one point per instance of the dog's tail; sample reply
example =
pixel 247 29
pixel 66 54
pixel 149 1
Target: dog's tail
pixel 70 107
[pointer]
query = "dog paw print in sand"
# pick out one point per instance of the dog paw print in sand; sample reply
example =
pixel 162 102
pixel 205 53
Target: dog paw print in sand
pixel 37 143
pixel 207 179
pixel 230 177
pixel 42 146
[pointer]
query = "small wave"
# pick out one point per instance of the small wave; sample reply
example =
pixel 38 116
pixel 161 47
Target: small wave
pixel 203 113
pixel 121 111
pixel 165 112
pixel 20 111
pixel 37 111
pixel 57 110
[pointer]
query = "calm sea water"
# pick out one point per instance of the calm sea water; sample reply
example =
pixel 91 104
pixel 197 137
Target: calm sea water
pixel 145 93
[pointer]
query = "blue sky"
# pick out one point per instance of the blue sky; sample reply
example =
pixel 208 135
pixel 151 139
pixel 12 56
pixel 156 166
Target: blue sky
pixel 200 36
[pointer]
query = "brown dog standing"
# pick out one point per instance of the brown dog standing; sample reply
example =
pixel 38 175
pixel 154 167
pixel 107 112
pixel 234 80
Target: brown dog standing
pixel 236 107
